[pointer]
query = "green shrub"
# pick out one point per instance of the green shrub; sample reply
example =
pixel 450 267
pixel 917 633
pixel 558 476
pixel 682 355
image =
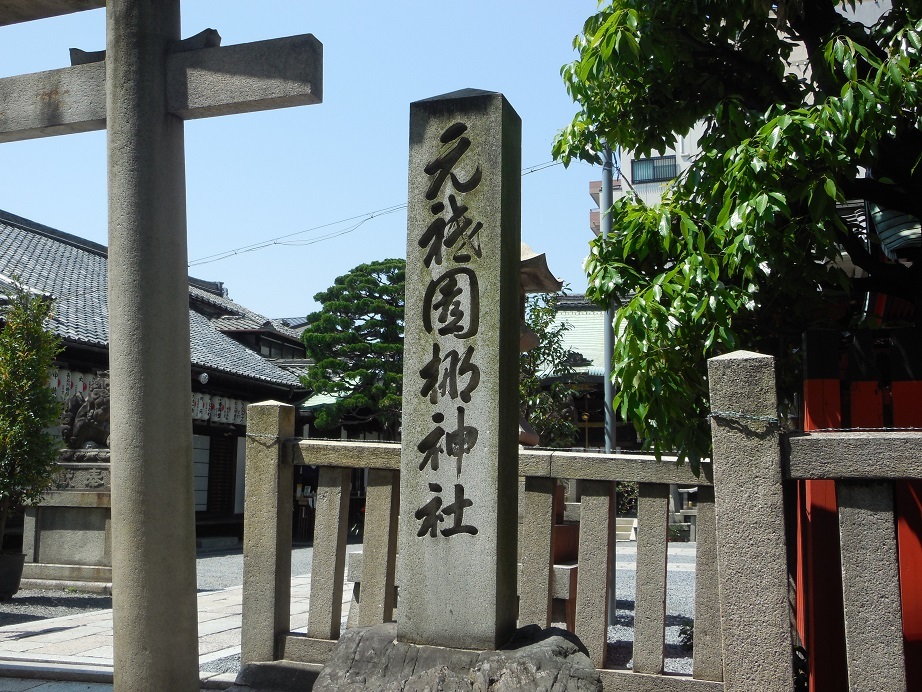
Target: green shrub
pixel 28 452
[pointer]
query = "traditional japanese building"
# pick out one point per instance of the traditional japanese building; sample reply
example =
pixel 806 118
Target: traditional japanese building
pixel 237 357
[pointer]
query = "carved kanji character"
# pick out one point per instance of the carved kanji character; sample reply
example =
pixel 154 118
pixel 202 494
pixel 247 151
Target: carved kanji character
pixel 429 513
pixel 461 440
pixel 442 166
pixel 454 299
pixel 431 444
pixel 449 233
pixel 456 509
pixel 455 367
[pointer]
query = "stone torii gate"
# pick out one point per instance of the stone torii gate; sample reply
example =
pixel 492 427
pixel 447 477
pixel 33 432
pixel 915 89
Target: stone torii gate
pixel 141 91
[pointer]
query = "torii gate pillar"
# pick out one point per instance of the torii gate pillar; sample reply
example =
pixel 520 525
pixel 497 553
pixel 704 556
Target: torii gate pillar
pixel 153 508
pixel 141 92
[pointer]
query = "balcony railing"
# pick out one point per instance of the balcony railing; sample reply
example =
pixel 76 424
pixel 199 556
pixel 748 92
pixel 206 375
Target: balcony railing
pixel 654 170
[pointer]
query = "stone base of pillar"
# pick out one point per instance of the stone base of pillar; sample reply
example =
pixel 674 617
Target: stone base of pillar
pixel 534 659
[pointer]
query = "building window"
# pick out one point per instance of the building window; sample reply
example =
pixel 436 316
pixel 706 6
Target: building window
pixel 275 349
pixel 654 170
pixel 270 348
pixel 201 452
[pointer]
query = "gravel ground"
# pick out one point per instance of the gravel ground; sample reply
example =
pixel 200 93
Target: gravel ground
pixel 214 571
pixel 680 603
pixel 231 664
pixel 28 606
pixel 224 569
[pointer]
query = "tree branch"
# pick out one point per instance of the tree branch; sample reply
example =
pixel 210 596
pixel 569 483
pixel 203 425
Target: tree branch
pixel 891 277
pixel 882 194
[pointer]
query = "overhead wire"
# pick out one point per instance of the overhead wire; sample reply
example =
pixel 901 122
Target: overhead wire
pixel 283 240
pixel 363 218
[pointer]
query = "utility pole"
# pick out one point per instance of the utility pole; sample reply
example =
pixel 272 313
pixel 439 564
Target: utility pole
pixel 611 434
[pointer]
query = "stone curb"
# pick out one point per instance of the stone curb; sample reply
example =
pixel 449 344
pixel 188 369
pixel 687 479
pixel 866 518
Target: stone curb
pixel 55 671
pixel 62 672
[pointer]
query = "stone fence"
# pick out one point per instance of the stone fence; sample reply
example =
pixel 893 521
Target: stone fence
pixel 742 638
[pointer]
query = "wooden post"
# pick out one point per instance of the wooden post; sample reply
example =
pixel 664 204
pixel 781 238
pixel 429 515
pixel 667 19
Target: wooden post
pixel 820 620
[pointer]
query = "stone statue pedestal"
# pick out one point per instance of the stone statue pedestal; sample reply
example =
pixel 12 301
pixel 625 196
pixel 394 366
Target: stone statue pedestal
pixel 67 538
pixel 372 659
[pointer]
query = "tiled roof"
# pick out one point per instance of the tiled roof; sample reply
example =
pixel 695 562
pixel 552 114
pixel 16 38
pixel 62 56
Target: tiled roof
pixel 214 350
pixel 73 271
pixel 239 318
pixel 576 301
pixel 296 323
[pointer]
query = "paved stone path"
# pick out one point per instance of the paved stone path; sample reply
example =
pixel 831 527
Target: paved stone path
pixel 81 645
pixel 76 650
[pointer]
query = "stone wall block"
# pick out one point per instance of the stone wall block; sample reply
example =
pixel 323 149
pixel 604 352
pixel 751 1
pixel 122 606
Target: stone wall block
pixel 708 656
pixel 596 533
pixel 537 536
pixel 382 505
pixel 329 562
pixel 650 605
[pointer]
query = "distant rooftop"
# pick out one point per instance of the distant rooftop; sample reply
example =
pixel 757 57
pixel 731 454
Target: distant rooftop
pixel 72 270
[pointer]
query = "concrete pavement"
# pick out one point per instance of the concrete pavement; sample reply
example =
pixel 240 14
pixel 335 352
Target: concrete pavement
pixel 78 648
pixel 74 653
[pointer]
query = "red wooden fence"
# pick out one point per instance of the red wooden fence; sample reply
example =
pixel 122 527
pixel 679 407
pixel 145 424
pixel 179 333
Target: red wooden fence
pixel 869 380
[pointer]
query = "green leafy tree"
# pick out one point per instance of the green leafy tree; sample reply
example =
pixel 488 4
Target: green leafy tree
pixel 356 344
pixel 743 250
pixel 28 452
pixel 546 377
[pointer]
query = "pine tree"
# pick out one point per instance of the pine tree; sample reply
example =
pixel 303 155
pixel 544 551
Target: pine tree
pixel 356 343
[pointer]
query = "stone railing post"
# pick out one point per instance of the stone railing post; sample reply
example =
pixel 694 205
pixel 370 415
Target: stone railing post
pixel 596 533
pixel 267 530
pixel 382 504
pixel 537 536
pixel 749 509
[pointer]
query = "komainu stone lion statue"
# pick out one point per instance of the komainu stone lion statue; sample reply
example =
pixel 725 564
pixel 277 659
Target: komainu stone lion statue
pixel 85 423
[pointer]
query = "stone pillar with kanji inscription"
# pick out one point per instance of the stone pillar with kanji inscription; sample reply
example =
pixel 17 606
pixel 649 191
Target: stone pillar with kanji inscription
pixel 459 468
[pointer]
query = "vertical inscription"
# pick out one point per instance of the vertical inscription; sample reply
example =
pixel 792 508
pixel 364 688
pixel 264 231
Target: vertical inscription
pixel 451 318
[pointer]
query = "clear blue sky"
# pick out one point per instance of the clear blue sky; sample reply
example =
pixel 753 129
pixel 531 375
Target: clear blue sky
pixel 258 176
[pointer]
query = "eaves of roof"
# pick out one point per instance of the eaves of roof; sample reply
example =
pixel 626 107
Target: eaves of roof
pixel 73 271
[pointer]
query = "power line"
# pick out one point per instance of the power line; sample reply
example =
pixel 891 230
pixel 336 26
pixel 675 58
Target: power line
pixel 540 167
pixel 283 240
pixel 279 240
pixel 362 218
